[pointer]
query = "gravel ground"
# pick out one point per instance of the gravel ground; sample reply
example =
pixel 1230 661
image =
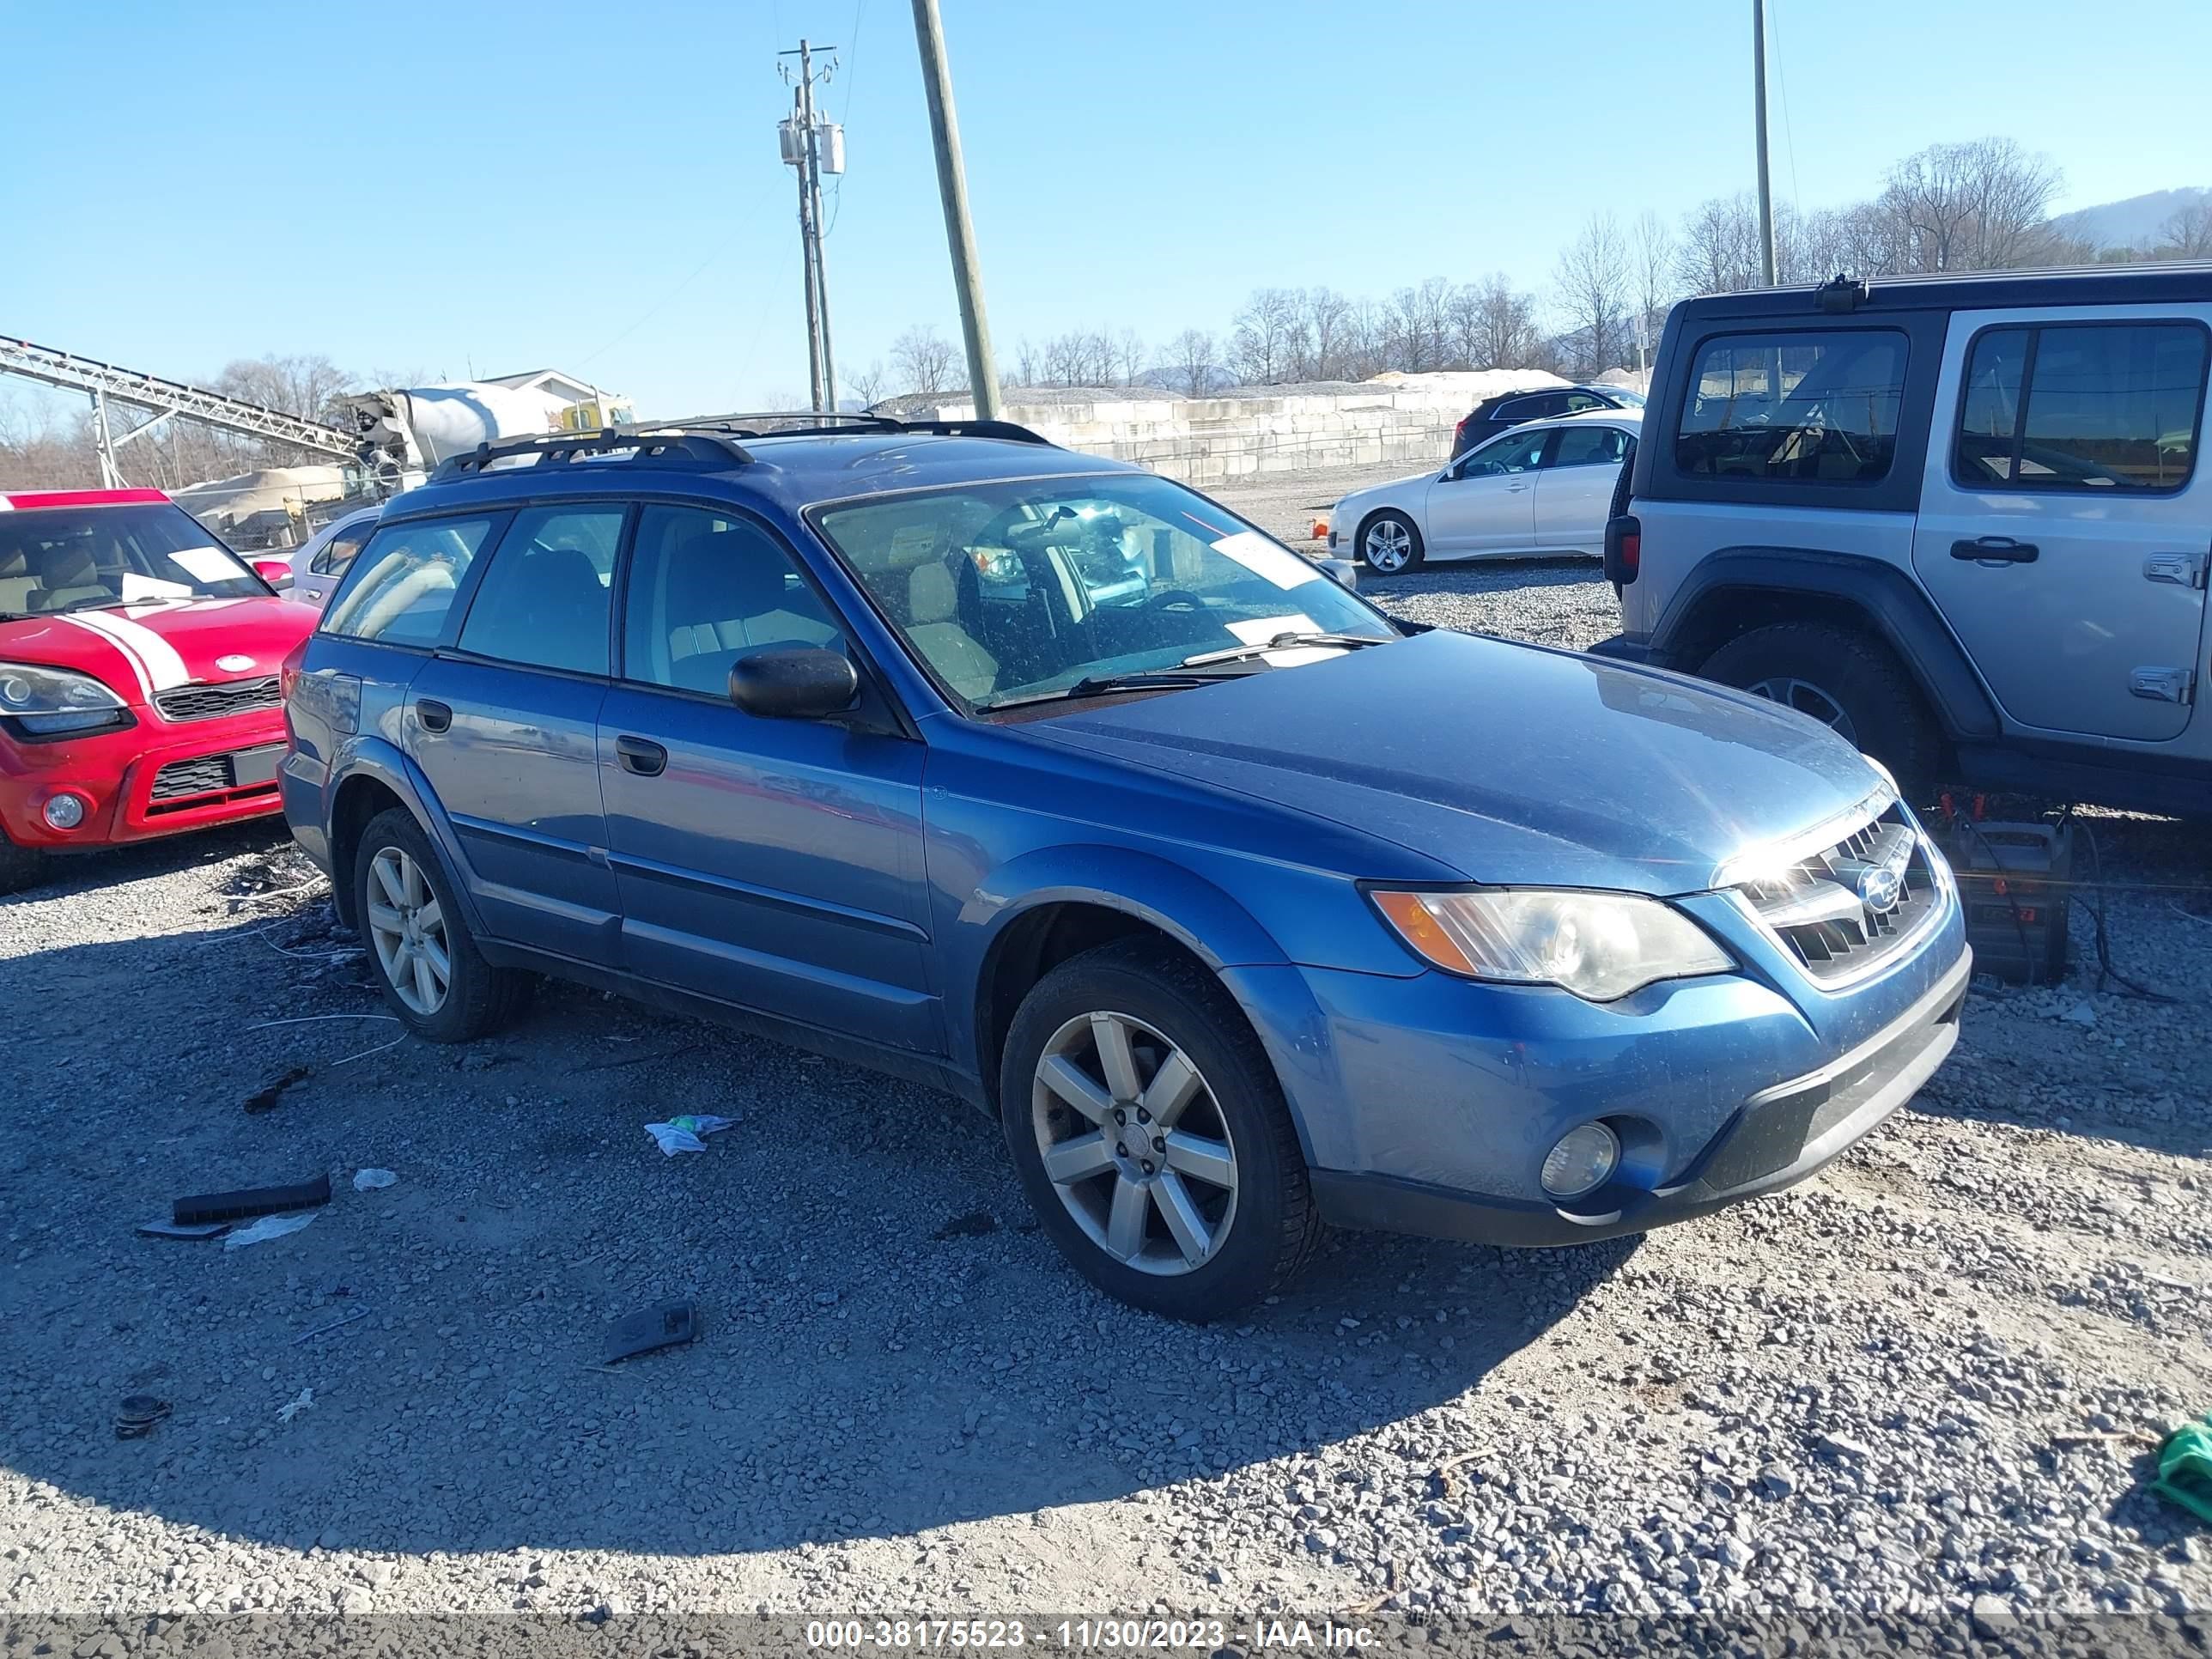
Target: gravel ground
pixel 1922 1388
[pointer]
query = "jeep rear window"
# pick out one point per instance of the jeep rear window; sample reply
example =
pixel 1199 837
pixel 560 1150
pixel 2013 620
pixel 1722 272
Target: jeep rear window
pixel 1816 408
pixel 2108 406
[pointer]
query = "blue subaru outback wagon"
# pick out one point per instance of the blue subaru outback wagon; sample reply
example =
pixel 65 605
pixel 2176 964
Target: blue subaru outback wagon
pixel 1048 780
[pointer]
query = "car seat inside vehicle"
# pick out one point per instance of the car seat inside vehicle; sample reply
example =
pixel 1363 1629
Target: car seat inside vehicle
pixel 727 592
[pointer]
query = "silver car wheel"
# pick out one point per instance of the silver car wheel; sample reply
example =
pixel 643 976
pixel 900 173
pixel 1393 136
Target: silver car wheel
pixel 408 928
pixel 1136 1144
pixel 1807 698
pixel 1388 546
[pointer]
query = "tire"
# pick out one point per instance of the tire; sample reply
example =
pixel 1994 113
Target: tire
pixel 20 866
pixel 474 997
pixel 1400 529
pixel 1822 670
pixel 1259 1227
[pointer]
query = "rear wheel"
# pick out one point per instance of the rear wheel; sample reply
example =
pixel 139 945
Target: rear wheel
pixel 1390 543
pixel 20 866
pixel 1848 681
pixel 1151 1136
pixel 432 974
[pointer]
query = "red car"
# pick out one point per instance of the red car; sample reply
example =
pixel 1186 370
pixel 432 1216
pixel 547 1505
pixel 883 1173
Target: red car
pixel 139 676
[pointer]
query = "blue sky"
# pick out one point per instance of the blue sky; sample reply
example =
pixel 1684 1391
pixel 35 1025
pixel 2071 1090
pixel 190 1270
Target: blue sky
pixel 458 188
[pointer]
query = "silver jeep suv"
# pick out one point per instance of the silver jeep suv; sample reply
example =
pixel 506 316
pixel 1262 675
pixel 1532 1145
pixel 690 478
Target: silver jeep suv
pixel 1962 521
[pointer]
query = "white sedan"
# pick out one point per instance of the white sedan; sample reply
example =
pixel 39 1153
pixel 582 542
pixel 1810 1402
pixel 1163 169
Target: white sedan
pixel 1543 488
pixel 318 564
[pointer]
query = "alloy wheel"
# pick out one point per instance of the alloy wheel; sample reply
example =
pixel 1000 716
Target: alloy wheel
pixel 407 926
pixel 1388 546
pixel 1807 698
pixel 1136 1144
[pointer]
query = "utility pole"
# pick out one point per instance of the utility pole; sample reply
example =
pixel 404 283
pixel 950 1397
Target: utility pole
pixel 803 141
pixel 1758 107
pixel 952 185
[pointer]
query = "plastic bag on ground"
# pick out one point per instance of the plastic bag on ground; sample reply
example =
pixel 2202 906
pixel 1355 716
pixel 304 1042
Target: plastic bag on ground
pixel 366 1181
pixel 269 1227
pixel 683 1135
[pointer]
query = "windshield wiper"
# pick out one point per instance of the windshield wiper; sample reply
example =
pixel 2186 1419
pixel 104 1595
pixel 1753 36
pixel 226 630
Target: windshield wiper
pixel 1279 642
pixel 1182 675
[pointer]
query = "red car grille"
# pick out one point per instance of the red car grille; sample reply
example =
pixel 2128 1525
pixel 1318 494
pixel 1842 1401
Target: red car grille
pixel 209 703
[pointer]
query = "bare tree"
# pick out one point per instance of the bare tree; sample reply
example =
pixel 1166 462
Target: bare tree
pixel 869 384
pixel 1264 341
pixel 2188 234
pixel 1978 206
pixel 1651 262
pixel 1718 252
pixel 1193 361
pixel 925 361
pixel 1420 324
pixel 1322 316
pixel 1593 283
pixel 1505 325
pixel 1129 357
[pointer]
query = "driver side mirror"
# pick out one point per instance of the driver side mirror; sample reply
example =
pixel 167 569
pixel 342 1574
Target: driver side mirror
pixel 795 683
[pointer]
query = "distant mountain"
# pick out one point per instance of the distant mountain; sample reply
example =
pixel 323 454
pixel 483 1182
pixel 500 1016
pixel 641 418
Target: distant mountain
pixel 2132 223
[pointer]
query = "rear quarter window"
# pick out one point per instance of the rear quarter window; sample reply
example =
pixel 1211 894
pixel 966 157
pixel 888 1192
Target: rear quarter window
pixel 403 584
pixel 1810 407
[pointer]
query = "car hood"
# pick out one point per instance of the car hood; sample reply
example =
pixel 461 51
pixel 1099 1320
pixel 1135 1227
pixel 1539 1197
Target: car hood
pixel 1509 763
pixel 140 650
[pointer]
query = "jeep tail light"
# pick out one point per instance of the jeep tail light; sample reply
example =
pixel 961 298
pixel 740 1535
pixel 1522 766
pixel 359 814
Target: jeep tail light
pixel 1624 549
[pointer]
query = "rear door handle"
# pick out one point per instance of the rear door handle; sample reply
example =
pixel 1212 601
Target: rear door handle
pixel 1995 550
pixel 641 755
pixel 434 716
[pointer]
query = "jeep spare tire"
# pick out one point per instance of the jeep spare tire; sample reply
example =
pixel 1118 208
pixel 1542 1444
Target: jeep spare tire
pixel 1848 681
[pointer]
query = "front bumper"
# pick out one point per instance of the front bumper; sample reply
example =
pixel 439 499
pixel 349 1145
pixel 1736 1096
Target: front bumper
pixel 220 771
pixel 1775 1139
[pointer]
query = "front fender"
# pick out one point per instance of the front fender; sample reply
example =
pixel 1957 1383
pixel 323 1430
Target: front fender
pixel 1196 914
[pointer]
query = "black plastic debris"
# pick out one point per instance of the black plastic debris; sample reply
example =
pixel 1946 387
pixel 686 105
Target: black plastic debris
pixel 136 1415
pixel 187 1230
pixel 251 1201
pixel 264 1098
pixel 664 1327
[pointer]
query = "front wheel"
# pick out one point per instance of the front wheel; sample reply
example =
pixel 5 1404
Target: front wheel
pixel 1390 544
pixel 432 974
pixel 1151 1136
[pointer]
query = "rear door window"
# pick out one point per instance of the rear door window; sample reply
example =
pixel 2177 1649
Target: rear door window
pixel 1590 445
pixel 402 587
pixel 547 600
pixel 1816 408
pixel 2082 406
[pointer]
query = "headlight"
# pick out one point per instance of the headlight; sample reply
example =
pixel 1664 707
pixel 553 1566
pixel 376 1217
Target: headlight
pixel 50 701
pixel 1599 945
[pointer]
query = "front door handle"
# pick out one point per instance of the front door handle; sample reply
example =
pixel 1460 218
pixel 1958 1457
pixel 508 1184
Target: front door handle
pixel 1995 550
pixel 434 716
pixel 641 755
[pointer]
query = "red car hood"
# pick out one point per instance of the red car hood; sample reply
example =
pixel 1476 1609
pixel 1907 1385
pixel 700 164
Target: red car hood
pixel 139 650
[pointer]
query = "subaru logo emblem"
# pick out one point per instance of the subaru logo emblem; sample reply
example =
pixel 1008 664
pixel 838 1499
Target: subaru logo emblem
pixel 1881 889
pixel 234 664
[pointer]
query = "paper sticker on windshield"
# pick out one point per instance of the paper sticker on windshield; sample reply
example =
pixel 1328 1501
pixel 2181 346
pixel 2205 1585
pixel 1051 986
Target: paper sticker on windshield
pixel 1265 558
pixel 207 564
pixel 1268 627
pixel 144 590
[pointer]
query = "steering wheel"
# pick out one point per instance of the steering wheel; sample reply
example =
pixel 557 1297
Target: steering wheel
pixel 1175 599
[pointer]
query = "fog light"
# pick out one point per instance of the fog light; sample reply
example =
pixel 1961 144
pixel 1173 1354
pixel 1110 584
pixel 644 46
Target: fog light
pixel 1584 1161
pixel 64 811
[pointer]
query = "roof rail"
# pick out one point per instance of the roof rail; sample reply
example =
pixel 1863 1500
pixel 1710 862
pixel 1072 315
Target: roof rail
pixel 1006 431
pixel 703 450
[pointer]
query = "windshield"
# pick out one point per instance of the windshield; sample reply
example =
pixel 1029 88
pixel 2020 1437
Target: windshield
pixel 1627 396
pixel 81 558
pixel 1012 590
